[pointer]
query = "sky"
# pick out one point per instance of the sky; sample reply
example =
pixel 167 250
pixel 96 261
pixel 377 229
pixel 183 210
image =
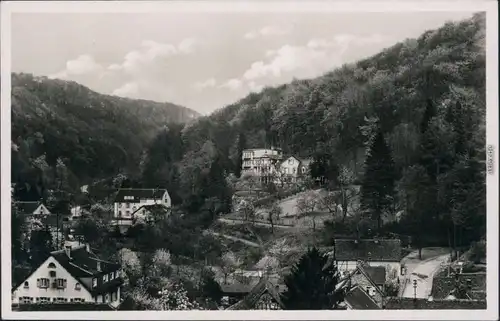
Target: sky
pixel 203 61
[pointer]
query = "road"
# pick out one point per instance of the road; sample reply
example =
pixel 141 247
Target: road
pixel 233 238
pixel 423 271
pixel 235 221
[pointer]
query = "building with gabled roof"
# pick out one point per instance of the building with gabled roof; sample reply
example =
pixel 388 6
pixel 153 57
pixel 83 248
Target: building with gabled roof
pixel 373 252
pixel 32 208
pixel 130 203
pixel 72 275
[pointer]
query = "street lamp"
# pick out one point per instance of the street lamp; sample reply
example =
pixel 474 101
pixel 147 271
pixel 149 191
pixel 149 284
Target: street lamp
pixel 415 290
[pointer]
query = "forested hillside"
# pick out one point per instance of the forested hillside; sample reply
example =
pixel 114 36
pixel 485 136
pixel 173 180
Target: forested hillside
pixel 64 135
pixel 417 110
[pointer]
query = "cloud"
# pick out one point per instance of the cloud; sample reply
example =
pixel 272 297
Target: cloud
pixel 130 90
pixel 82 65
pixel 151 51
pixel 232 84
pixel 317 56
pixel 211 82
pixel 268 31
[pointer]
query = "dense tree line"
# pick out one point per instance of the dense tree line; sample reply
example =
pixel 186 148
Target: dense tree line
pixel 64 135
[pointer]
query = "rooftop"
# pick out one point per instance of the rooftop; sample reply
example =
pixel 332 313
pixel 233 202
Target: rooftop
pixel 139 193
pixel 82 263
pixel 90 306
pixel 358 299
pixel 389 250
pixel 263 286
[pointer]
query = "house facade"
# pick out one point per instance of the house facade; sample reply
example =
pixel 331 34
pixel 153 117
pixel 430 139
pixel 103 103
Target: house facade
pixel 265 295
pixel 131 203
pixel 72 275
pixel 293 168
pixel 260 162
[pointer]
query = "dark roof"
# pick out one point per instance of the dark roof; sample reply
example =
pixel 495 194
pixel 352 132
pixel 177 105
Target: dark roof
pixel 424 304
pixel 236 287
pixel 360 300
pixel 83 263
pixel 376 273
pixel 368 250
pixel 154 208
pixel 90 306
pixel 138 194
pixel 28 207
pixel 249 301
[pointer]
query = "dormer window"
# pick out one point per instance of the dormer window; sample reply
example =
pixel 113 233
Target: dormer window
pixel 52 265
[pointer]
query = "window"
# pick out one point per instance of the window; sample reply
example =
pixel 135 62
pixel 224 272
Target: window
pixel 128 205
pixel 26 285
pixel 94 282
pixel 117 273
pixel 25 300
pixel 105 278
pixel 43 300
pixel 52 274
pixel 106 298
pixel 60 300
pixel 77 300
pixel 42 283
pixel 119 213
pixel 61 283
pixel 113 296
pixel 111 275
pixel 78 286
pixel 52 265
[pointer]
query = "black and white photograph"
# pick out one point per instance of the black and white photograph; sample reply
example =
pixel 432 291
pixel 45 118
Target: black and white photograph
pixel 202 158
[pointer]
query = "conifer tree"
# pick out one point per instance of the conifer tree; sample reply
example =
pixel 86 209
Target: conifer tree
pixel 312 283
pixel 377 189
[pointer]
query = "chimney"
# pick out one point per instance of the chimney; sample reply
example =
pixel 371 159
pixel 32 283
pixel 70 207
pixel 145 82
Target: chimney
pixel 67 249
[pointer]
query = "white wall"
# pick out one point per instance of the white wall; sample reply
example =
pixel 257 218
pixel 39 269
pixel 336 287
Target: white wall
pixel 43 272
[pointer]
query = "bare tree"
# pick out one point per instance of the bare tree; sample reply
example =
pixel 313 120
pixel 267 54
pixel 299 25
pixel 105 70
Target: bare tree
pixel 229 263
pixel 274 215
pixel 307 203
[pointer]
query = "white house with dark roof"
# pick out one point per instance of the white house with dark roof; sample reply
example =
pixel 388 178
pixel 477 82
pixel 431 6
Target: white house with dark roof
pixel 72 275
pixel 136 203
pixel 385 253
pixel 293 168
pixel 33 208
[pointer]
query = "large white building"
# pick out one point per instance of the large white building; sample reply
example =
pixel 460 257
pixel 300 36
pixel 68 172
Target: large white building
pixel 260 162
pixel 136 203
pixel 72 275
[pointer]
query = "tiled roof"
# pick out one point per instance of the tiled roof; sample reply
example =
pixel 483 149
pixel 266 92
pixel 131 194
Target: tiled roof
pixel 90 306
pixel 424 304
pixel 84 261
pixel 138 193
pixel 368 250
pixel 376 273
pixel 358 299
pixel 256 293
pixel 237 287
